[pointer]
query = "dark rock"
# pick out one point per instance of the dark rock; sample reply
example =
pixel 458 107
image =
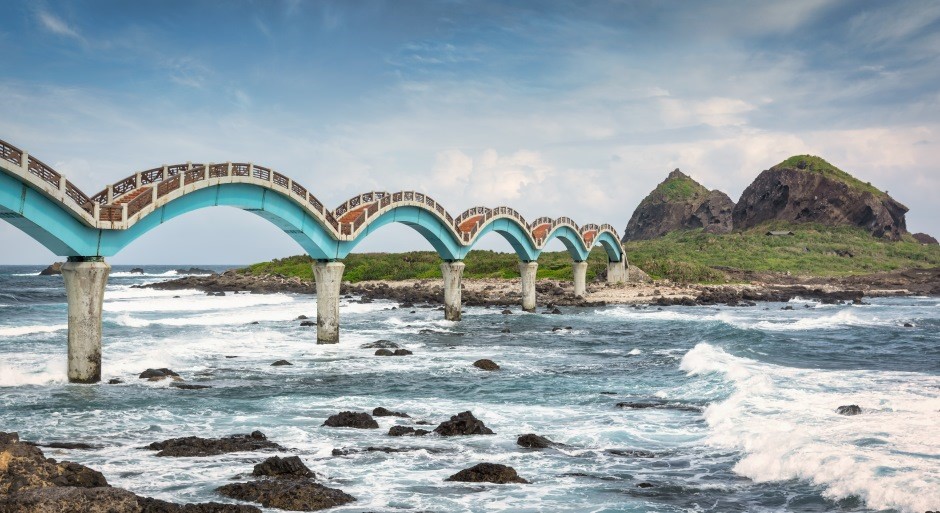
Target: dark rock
pixel 406 430
pixel 358 420
pixel 383 352
pixel 488 473
pixel 149 505
pixel 157 373
pixel 923 238
pixel 68 499
pixel 275 466
pixel 189 386
pixel 195 446
pixel 555 311
pixel 308 323
pixel 811 190
pixel 658 404
pixel 505 330
pixel 679 203
pixel 380 344
pixel 382 412
pixel 908 325
pixel 9 438
pixel 487 365
pixel 849 409
pixel 52 270
pixel 281 363
pixel 463 424
pixel 68 445
pixel 289 494
pixel 137 270
pixel 115 381
pixel 507 312
pixel 402 352
pixel 644 485
pixel 533 441
pixel 194 270
pixel 631 453
pixel 301 318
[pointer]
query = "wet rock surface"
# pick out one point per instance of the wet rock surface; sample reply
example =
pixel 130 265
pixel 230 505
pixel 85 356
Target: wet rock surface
pixel 849 409
pixel 406 431
pixel 54 269
pixel 488 473
pixel 382 412
pixel 350 419
pixel 196 446
pixel 679 203
pixel 157 374
pixel 291 467
pixel 463 423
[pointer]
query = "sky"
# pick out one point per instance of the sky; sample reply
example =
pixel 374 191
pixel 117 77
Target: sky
pixel 554 108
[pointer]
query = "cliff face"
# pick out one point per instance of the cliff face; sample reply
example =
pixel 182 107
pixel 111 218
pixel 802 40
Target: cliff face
pixel 809 189
pixel 679 203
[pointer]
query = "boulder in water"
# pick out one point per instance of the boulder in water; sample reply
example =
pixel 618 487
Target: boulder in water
pixel 382 412
pixel 487 365
pixel 406 430
pixel 52 270
pixel 849 409
pixel 358 420
pixel 289 494
pixel 281 363
pixel 137 270
pixel 463 424
pixel 383 352
pixel 380 344
pixel 158 374
pixel 488 473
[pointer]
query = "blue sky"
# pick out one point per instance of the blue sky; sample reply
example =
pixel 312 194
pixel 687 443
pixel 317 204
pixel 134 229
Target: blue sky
pixel 553 108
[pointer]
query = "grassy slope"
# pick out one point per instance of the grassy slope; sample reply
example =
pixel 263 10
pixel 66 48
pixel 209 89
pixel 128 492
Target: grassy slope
pixel 819 165
pixel 812 250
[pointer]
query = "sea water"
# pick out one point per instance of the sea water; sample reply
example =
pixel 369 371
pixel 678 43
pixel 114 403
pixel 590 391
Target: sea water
pixel 748 398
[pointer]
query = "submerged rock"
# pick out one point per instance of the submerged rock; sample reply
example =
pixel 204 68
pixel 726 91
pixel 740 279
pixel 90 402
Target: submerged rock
pixel 488 473
pixel 290 467
pixel 358 420
pixel 158 374
pixel 292 494
pixel 533 441
pixel 380 344
pixel 631 453
pixel 383 352
pixel 402 352
pixel 196 446
pixel 281 363
pixel 849 409
pixel 189 386
pixel 487 365
pixel 463 424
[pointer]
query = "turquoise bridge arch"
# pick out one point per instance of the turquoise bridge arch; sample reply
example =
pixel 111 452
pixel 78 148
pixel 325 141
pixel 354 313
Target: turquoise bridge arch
pixel 49 208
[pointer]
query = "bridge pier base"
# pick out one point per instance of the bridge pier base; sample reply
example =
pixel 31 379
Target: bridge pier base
pixel 617 272
pixel 528 272
pixel 580 278
pixel 85 281
pixel 329 278
pixel 453 277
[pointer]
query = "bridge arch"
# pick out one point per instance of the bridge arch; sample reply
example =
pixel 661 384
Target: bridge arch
pixel 422 219
pixel 269 204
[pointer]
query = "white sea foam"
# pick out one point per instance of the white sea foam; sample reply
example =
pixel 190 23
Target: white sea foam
pixel 635 351
pixel 17 331
pixel 783 421
pixel 52 372
pixel 195 302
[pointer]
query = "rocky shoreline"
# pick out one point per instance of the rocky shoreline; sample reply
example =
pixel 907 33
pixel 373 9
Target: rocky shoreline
pixel 754 287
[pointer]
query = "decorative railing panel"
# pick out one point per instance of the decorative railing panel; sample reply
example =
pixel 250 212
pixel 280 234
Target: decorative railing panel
pixel 11 153
pixel 43 171
pixel 167 186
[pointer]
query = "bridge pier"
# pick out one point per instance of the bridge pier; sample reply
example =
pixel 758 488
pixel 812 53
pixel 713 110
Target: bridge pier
pixel 329 278
pixel 528 272
pixel 617 271
pixel 453 277
pixel 580 278
pixel 85 281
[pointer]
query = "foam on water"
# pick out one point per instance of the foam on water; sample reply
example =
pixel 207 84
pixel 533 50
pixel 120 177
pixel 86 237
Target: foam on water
pixel 18 331
pixel 783 420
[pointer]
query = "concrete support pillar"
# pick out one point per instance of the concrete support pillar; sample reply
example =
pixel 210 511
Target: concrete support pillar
pixel 329 277
pixel 85 281
pixel 617 271
pixel 527 270
pixel 580 278
pixel 453 276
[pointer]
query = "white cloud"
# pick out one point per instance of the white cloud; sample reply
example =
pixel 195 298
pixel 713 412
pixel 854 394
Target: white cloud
pixel 57 26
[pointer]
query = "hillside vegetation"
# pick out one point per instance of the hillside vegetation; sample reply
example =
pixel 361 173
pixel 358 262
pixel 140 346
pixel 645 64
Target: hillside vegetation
pixel 821 166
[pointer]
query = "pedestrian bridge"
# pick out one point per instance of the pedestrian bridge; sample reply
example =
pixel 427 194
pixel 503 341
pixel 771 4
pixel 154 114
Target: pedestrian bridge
pixel 87 228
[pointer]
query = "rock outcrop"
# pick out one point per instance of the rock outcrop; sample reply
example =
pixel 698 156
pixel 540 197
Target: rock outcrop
pixel 924 238
pixel 52 270
pixel 679 203
pixel 194 446
pixel 807 189
pixel 463 423
pixel 350 419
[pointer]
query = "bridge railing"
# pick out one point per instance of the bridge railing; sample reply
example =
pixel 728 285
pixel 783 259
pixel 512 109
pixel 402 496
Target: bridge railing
pixel 11 153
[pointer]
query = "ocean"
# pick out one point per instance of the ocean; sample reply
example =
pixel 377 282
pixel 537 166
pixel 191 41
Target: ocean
pixel 745 420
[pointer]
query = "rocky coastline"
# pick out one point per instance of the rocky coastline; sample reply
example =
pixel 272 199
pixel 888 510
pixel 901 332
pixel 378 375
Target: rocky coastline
pixel 751 288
